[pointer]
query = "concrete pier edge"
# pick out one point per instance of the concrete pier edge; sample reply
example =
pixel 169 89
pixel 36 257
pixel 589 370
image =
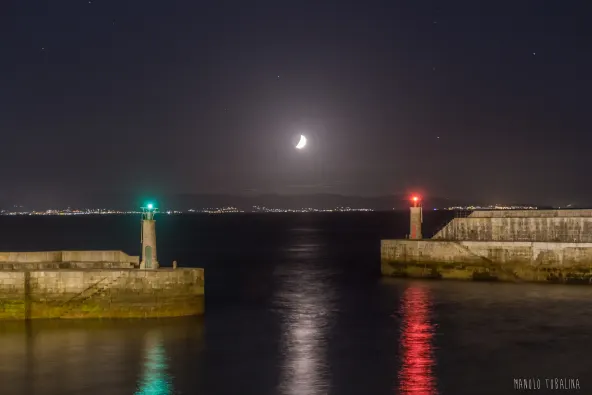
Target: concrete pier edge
pixel 101 290
pixel 553 246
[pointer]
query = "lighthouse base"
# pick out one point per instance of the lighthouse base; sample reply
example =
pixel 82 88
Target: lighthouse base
pixel 152 266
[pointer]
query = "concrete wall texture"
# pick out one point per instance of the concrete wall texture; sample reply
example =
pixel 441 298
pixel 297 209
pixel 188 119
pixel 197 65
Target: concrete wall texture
pixel 65 265
pixel 101 293
pixel 512 261
pixel 550 229
pixel 149 256
pixel 415 219
pixel 530 253
pixel 68 256
pixel 530 213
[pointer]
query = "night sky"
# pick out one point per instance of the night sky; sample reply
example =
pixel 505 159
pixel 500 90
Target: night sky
pixel 484 100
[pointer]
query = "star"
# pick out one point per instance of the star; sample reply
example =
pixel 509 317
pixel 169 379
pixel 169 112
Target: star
pixel 534 54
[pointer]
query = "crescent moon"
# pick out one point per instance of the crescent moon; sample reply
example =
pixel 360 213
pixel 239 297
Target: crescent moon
pixel 302 143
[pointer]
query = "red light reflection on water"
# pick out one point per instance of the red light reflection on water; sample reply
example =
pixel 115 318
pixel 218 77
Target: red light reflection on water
pixel 415 376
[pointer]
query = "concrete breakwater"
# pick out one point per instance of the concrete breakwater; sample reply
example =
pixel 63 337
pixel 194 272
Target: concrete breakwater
pixel 101 293
pixel 40 260
pixel 98 284
pixel 514 245
pixel 543 229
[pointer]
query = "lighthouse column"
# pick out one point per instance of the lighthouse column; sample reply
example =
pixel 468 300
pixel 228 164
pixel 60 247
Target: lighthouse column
pixel 149 258
pixel 416 219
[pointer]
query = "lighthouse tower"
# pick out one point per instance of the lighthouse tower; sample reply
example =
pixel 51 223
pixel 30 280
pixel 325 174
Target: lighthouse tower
pixel 149 260
pixel 416 218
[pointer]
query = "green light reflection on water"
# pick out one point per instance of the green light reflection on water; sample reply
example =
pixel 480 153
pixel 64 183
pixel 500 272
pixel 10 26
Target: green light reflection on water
pixel 155 380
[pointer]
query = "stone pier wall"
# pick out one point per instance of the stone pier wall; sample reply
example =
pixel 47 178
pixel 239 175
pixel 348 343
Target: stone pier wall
pixel 67 256
pixel 65 265
pixel 101 293
pixel 505 228
pixel 510 261
pixel 530 213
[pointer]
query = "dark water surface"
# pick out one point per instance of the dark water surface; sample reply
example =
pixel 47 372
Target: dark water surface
pixel 295 305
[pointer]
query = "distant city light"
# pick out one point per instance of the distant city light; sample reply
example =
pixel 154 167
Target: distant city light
pixel 150 207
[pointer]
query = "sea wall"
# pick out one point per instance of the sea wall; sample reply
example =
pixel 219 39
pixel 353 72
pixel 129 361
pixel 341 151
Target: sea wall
pixel 65 265
pixel 530 213
pixel 101 293
pixel 510 261
pixel 507 228
pixel 68 256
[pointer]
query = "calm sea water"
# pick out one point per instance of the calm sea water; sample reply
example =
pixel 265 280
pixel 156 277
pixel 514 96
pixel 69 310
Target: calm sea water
pixel 296 305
